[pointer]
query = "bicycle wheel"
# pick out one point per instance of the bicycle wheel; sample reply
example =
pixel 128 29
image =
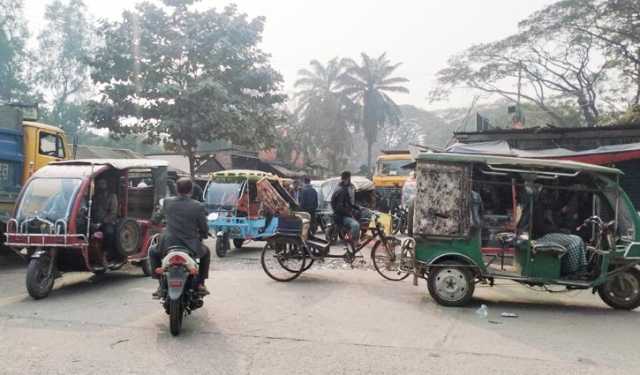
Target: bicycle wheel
pixel 386 256
pixel 282 262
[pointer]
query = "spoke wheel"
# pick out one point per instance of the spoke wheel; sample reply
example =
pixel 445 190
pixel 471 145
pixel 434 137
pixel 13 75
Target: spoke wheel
pixel 451 284
pixel 622 291
pixel 387 257
pixel 39 279
pixel 283 262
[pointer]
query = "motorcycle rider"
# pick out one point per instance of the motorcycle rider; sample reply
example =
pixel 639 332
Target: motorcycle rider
pixel 344 207
pixel 186 225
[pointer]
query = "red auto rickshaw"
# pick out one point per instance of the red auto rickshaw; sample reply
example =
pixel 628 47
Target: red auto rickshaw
pixel 55 223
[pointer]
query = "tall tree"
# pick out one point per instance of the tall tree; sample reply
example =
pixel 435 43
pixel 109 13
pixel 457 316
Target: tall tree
pixel 13 55
pixel 184 76
pixel 325 113
pixel 369 84
pixel 613 24
pixel 63 50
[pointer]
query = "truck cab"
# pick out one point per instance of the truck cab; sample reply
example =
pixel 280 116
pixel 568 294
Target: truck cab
pixel 25 146
pixel 390 176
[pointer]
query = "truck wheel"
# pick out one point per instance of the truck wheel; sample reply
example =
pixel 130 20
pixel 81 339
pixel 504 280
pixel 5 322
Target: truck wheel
pixel 451 284
pixel 39 280
pixel 237 243
pixel 222 246
pixel 622 291
pixel 175 316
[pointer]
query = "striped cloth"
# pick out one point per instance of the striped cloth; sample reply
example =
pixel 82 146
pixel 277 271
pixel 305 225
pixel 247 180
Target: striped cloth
pixel 575 259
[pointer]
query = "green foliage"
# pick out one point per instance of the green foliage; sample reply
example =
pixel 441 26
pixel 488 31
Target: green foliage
pixel 369 84
pixel 14 84
pixel 325 114
pixel 64 47
pixel 184 76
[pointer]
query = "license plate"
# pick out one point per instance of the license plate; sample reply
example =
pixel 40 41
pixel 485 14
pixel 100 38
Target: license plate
pixel 175 283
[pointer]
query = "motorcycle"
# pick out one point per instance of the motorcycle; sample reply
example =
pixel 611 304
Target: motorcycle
pixel 400 220
pixel 179 285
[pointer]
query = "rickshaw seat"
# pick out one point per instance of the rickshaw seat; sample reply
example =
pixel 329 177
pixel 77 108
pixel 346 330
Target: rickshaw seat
pixel 550 249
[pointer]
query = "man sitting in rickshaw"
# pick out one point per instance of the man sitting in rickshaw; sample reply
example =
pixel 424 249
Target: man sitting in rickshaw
pixel 186 226
pixel 344 207
pixel 546 230
pixel 105 213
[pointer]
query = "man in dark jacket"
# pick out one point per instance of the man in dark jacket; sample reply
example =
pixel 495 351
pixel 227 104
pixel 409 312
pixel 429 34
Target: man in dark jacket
pixel 186 225
pixel 344 207
pixel 309 200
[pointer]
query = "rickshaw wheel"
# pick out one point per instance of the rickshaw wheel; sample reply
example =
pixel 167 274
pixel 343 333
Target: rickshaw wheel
pixel 222 246
pixel 128 237
pixel 282 262
pixel 622 291
pixel 237 243
pixel 176 314
pixel 39 284
pixel 386 259
pixel 451 284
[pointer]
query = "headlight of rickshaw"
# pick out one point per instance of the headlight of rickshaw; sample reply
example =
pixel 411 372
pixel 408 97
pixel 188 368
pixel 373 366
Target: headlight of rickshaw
pixel 212 216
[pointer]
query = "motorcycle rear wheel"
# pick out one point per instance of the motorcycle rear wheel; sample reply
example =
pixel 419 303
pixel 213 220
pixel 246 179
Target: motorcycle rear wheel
pixel 176 313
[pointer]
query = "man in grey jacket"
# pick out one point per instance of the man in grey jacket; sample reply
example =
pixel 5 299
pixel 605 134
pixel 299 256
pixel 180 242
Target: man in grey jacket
pixel 186 226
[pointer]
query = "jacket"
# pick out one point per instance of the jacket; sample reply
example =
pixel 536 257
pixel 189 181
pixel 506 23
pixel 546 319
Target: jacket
pixel 186 224
pixel 309 198
pixel 342 201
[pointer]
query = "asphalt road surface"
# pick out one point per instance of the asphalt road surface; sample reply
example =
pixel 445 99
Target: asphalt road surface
pixel 332 320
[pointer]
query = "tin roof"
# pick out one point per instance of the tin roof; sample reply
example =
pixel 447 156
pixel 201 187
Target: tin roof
pixel 522 162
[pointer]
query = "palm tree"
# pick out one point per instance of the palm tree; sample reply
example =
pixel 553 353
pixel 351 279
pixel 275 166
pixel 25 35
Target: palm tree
pixel 325 112
pixel 369 83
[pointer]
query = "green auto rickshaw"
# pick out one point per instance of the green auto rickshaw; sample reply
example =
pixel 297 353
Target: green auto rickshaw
pixel 556 225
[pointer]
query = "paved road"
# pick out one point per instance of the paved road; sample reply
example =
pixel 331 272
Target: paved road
pixel 330 321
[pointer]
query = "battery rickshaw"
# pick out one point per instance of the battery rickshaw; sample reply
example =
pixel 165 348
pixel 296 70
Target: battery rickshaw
pixel 244 205
pixel 564 226
pixel 55 224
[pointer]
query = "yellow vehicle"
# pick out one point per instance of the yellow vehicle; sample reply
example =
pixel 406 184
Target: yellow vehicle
pixel 389 178
pixel 25 147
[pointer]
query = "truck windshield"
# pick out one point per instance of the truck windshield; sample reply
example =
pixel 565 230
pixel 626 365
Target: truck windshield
pixel 222 195
pixel 393 168
pixel 48 198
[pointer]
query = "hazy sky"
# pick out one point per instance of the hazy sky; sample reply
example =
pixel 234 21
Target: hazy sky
pixel 421 34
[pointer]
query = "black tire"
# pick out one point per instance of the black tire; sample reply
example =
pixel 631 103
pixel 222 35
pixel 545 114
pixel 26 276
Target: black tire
pixel 128 237
pixel 146 267
pixel 39 283
pixel 622 291
pixel 176 314
pixel 451 283
pixel 276 262
pixel 386 259
pixel 222 246
pixel 237 243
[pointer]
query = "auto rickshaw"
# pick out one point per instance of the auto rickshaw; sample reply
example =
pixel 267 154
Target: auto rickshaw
pixel 244 205
pixel 54 224
pixel 364 196
pixel 555 225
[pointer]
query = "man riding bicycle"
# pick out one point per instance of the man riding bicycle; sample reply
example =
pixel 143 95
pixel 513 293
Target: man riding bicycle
pixel 344 207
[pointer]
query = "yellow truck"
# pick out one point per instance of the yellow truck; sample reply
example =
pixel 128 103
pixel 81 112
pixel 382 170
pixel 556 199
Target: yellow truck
pixel 25 146
pixel 389 177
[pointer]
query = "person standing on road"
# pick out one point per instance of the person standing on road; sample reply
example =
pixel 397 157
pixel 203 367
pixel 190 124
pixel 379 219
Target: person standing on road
pixel 344 207
pixel 186 225
pixel 309 200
